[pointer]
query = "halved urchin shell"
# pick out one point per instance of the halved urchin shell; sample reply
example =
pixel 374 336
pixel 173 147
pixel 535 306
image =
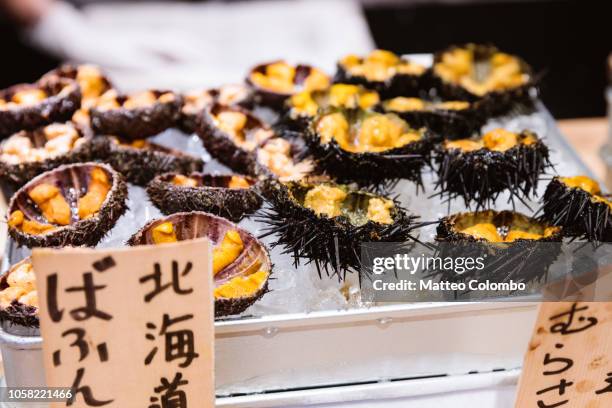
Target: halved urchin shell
pixel 344 153
pixel 26 154
pixel 194 102
pixel 479 174
pixel 449 119
pixel 578 205
pixel 18 295
pixel 135 116
pixel 67 184
pixel 140 160
pixel 301 108
pixel 383 71
pixel 273 82
pixel 216 194
pixel 30 106
pixel 231 135
pixel 511 245
pixel 252 259
pixel 91 80
pixel 477 72
pixel 333 240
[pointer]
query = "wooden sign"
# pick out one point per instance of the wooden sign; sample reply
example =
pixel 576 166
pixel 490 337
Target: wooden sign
pixel 569 361
pixel 130 327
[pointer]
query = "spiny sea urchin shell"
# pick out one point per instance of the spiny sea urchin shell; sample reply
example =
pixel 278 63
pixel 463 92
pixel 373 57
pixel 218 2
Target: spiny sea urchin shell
pixel 72 205
pixel 577 204
pixel 30 106
pixel 135 116
pixel 228 196
pixel 241 263
pixel 383 71
pixel 326 223
pixel 479 169
pixel 368 147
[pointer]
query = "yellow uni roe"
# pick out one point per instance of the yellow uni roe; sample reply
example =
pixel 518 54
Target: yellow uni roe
pixel 21 282
pixel 376 133
pixel 164 233
pixel 17 220
pixel 325 200
pixel 242 286
pixel 582 182
pixel 485 230
pixel 238 182
pixel 379 210
pixel 52 203
pixel 184 181
pixel 91 202
pixel 227 251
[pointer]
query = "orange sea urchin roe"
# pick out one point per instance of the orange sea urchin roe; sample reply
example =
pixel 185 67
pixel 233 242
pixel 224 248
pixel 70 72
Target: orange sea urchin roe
pixel 227 251
pixel 325 200
pixel 404 104
pixel 380 65
pixel 457 66
pixel 465 145
pixel 99 186
pixel 29 96
pixel 280 76
pixel 382 132
pixel 513 235
pixel 140 100
pixel 379 210
pixel 485 231
pixel 91 82
pixel 235 125
pixel 52 203
pixel 242 286
pixel 184 181
pixel 276 156
pixel 17 220
pixel 377 132
pixel 582 182
pixel 164 233
pixel 21 286
pixel 238 182
pixel 500 140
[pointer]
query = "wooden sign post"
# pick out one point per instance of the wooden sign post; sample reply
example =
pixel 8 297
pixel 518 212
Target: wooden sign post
pixel 569 361
pixel 130 327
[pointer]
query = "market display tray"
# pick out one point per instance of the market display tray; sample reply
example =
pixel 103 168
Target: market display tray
pixel 311 332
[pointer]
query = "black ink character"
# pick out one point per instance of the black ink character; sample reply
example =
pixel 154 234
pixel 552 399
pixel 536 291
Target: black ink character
pixel 90 309
pixel 563 384
pixel 156 276
pixel 542 404
pixel 179 344
pixel 171 396
pixel 54 311
pixel 565 363
pixel 85 390
pixel 566 327
pixel 607 388
pixel 82 344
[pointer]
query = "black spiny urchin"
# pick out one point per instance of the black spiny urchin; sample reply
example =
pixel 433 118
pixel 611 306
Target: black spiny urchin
pixel 478 170
pixel 383 71
pixel 326 224
pixel 481 73
pixel 577 204
pixel 510 245
pixel 368 148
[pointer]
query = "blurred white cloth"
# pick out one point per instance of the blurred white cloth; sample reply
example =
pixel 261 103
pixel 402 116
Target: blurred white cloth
pixel 184 46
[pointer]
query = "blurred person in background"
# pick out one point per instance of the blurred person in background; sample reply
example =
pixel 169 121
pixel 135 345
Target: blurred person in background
pixel 165 44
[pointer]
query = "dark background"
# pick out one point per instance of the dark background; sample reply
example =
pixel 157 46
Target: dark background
pixel 567 41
